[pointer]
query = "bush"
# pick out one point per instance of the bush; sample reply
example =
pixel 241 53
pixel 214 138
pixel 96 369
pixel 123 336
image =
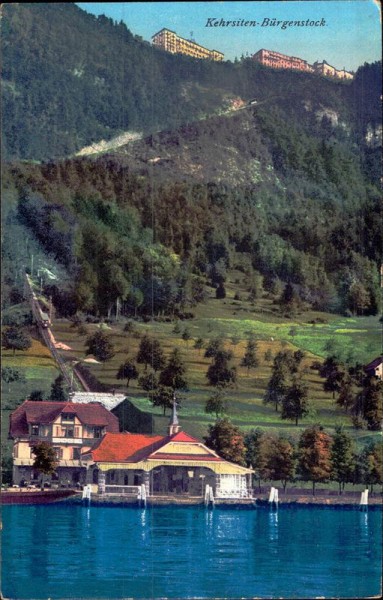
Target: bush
pixel 220 292
pixel 316 365
pixel 92 319
pixel 82 330
pixel 129 327
pixel 17 317
pixel 358 422
pixel 177 327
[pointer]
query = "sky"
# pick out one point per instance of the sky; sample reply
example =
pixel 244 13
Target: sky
pixel 348 33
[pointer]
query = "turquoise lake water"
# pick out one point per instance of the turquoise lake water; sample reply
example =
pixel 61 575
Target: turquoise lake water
pixel 71 551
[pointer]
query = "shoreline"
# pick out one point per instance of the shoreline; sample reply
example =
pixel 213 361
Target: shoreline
pixel 260 501
pixel 290 499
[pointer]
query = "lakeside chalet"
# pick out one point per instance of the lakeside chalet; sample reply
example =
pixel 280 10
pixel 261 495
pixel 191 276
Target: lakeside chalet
pixel 91 450
pixel 70 428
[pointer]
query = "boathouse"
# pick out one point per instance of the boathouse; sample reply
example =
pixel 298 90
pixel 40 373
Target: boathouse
pixel 173 465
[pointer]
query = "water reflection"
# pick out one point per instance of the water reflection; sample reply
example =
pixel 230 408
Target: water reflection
pixel 273 526
pixel 209 520
pixel 189 552
pixel 144 525
pixel 364 535
pixel 39 558
pixel 363 524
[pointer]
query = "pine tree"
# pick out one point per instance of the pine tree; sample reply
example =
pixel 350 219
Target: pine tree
pixel 369 403
pixel 173 375
pixel 216 403
pixel 128 371
pixel 255 457
pixel 100 346
pixel 370 462
pixel 163 397
pixel 284 366
pixel 334 372
pixel 346 396
pixel 249 359
pixel 198 344
pixel 58 391
pixel 220 373
pixel 342 458
pixel 14 338
pixel 151 353
pixel 295 401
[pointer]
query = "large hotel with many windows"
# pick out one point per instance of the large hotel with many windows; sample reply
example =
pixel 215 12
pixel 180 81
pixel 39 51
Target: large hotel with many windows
pixel 171 42
pixel 276 60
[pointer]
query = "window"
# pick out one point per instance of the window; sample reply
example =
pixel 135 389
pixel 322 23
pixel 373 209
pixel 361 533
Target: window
pixel 67 432
pixel 59 452
pixel 67 417
pixel 35 430
pixel 76 454
pixel 97 432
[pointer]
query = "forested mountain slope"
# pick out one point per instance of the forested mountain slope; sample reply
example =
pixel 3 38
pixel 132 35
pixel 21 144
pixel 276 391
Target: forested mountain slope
pixel 286 200
pixel 285 189
pixel 69 79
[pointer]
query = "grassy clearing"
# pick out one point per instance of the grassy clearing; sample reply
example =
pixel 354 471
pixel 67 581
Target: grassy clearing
pixel 39 371
pixel 236 321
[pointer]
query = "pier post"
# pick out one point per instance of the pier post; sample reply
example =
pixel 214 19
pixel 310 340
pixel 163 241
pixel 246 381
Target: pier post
pixel 364 500
pixel 101 482
pixel 147 482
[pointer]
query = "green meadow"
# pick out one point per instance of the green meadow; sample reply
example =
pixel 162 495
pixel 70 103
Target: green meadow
pixel 38 370
pixel 316 334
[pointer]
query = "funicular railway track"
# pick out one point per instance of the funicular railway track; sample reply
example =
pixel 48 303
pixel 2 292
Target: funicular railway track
pixel 43 324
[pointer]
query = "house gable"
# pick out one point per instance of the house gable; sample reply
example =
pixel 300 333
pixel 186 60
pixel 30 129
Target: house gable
pixel 45 413
pixel 182 444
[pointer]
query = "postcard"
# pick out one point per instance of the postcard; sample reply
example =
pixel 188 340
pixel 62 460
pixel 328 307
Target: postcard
pixel 191 300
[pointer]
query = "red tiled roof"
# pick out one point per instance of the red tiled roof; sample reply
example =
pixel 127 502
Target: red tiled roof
pixel 129 447
pixel 46 412
pixel 181 436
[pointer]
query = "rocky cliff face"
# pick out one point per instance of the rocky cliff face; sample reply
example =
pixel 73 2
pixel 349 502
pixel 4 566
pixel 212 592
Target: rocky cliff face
pixel 373 136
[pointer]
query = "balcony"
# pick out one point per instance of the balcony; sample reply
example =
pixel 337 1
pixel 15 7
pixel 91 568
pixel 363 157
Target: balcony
pixel 66 440
pixel 70 463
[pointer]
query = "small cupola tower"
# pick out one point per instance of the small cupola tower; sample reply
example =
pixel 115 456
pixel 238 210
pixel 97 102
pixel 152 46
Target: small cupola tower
pixel 174 426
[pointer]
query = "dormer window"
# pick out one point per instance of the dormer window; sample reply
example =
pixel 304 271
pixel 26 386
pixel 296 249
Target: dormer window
pixel 67 417
pixel 34 430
